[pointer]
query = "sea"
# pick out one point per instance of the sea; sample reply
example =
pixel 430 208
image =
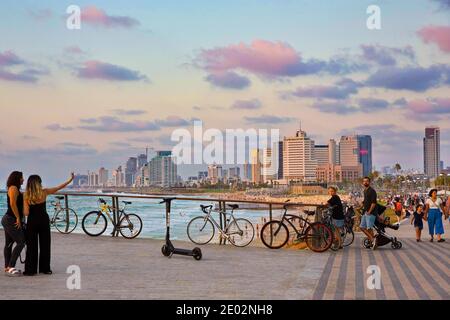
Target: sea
pixel 153 214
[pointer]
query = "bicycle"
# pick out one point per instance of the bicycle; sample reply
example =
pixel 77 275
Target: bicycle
pixel 65 220
pixel 275 234
pixel 240 232
pixel 95 223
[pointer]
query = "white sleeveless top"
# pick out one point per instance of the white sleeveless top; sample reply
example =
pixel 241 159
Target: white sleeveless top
pixel 434 205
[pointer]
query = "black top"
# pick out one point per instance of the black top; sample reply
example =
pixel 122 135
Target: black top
pixel 370 196
pixel 37 209
pixel 338 210
pixel 19 205
pixel 418 218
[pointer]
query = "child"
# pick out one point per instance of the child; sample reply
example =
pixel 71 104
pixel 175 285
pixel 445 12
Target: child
pixel 418 218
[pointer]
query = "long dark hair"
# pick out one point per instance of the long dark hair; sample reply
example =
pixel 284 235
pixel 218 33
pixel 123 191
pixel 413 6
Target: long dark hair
pixel 34 192
pixel 14 179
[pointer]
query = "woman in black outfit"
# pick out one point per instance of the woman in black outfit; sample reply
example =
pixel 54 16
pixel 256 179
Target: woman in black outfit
pixel 12 223
pixel 38 225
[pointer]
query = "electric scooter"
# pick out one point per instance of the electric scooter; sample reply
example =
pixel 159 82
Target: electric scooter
pixel 168 249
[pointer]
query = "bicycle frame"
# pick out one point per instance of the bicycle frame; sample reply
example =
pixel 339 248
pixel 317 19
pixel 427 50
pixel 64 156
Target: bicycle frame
pixel 300 232
pixel 107 209
pixel 224 233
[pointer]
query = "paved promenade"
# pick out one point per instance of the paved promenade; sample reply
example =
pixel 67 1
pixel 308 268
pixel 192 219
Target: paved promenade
pixel 135 269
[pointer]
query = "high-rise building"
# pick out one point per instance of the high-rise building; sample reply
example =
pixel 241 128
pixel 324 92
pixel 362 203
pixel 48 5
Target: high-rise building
pixel 80 180
pixel 255 165
pixel 431 151
pixel 322 154
pixel 118 177
pixel 365 153
pixel 202 175
pixel 103 176
pixel 299 163
pixel 141 161
pixel 247 172
pixel 234 173
pixel 163 170
pixel 277 157
pixel 269 162
pixel 356 150
pixel 93 179
pixel 214 173
pixel 332 152
pixel 130 171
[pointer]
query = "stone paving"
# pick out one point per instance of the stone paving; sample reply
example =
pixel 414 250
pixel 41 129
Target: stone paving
pixel 117 268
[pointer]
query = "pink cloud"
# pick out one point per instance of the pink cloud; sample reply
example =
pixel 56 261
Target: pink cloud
pixel 98 17
pixel 440 35
pixel 261 56
pixel 74 50
pixel 431 105
pixel 9 58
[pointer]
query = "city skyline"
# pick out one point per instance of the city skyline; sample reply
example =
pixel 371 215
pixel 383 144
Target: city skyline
pixel 81 99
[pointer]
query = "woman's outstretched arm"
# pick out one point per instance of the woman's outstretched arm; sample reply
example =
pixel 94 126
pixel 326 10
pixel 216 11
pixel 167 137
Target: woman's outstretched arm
pixel 62 186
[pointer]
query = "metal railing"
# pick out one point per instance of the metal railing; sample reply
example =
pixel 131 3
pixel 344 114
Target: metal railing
pixel 220 201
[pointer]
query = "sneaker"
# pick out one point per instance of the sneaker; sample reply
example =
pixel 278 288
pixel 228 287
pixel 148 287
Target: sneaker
pixel 431 240
pixel 441 240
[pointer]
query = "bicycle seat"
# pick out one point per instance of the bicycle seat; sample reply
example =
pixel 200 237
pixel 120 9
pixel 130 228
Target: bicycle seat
pixel 233 206
pixel 205 207
pixel 309 212
pixel 60 197
pixel 127 202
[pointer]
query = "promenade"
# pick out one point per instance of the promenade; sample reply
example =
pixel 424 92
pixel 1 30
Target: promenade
pixel 116 268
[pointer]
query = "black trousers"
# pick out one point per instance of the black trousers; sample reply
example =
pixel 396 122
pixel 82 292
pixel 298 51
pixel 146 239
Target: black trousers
pixel 12 235
pixel 38 237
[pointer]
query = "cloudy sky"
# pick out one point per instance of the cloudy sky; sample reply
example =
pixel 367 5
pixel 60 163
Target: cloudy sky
pixel 137 70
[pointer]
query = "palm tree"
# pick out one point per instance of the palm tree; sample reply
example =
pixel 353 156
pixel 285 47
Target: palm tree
pixel 397 167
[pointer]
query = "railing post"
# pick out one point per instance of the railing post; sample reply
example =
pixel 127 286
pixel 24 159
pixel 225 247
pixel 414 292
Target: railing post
pixel 270 219
pixel 224 219
pixel 66 203
pixel 221 222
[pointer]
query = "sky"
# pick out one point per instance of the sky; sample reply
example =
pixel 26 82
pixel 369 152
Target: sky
pixel 76 100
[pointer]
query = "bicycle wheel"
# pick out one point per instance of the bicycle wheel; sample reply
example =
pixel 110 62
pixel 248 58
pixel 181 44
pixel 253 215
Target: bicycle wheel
pixel 319 237
pixel 349 237
pixel 66 221
pixel 200 230
pixel 130 225
pixel 296 227
pixel 241 232
pixel 274 234
pixel 94 223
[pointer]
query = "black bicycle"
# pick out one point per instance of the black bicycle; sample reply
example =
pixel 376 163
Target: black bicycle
pixel 95 223
pixel 275 234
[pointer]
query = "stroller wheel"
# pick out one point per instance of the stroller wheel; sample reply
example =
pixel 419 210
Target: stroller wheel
pixel 366 243
pixel 396 245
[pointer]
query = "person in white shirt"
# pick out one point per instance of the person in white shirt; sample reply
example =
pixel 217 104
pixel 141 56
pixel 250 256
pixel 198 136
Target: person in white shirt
pixel 434 208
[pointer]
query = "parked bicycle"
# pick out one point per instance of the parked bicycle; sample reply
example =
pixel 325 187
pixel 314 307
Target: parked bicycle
pixel 95 223
pixel 275 234
pixel 240 232
pixel 346 232
pixel 65 220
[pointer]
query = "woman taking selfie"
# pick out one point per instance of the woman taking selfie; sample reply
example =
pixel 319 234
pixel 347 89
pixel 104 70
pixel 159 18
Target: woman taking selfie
pixel 12 224
pixel 38 225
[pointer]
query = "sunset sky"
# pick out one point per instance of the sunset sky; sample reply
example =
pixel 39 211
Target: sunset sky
pixel 76 100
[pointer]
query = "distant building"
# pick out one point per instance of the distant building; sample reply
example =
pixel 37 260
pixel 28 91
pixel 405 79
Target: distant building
pixel 247 172
pixel 80 180
pixel 269 170
pixel 93 179
pixel 332 173
pixel 333 152
pixel 118 177
pixel 299 163
pixel 234 173
pixel 365 153
pixel 141 161
pixel 355 150
pixel 322 154
pixel 202 175
pixel 214 173
pixel 163 170
pixel 130 171
pixel 103 177
pixel 255 165
pixel 431 151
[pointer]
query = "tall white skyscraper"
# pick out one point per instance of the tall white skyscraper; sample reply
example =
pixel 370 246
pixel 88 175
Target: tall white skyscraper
pixel 299 162
pixel 431 151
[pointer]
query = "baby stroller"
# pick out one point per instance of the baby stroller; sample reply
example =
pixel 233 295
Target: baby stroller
pixel 383 238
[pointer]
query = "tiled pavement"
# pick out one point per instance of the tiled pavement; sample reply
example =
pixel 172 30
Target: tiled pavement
pixel 135 269
pixel 416 271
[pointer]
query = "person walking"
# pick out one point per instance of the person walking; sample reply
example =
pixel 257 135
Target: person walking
pixel 38 225
pixel 434 208
pixel 417 219
pixel 368 215
pixel 12 223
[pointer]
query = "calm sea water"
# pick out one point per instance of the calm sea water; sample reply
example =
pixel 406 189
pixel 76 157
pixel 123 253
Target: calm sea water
pixel 152 214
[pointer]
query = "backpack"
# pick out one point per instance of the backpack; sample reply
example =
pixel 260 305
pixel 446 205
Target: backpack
pixel 398 207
